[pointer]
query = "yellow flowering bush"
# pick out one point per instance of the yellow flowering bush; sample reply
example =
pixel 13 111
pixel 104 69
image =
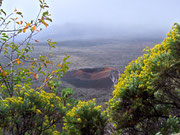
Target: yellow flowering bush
pixel 148 91
pixel 86 118
pixel 31 112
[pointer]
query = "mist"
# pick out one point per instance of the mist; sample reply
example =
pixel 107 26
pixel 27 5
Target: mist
pixel 83 19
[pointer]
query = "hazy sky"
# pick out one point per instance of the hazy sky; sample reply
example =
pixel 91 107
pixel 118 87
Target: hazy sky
pixel 156 14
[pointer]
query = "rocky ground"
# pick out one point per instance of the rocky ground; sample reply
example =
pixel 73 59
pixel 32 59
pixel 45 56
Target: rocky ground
pixel 93 54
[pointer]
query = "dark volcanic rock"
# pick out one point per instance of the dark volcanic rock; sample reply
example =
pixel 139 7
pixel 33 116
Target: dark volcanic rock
pixel 91 77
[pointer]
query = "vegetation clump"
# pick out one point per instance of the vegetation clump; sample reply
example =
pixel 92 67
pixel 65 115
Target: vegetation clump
pixel 25 107
pixel 148 92
pixel 86 118
pixel 31 112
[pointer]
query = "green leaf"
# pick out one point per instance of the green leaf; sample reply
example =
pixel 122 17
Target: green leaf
pixel 45 13
pixel 3 11
pixel 39 69
pixel 19 13
pixel 49 19
pixel 4 39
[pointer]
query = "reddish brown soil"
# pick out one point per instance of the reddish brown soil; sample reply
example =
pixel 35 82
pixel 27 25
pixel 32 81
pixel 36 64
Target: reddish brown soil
pixel 90 77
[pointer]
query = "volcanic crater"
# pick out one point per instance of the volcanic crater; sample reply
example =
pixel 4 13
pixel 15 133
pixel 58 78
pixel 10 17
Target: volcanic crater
pixel 91 77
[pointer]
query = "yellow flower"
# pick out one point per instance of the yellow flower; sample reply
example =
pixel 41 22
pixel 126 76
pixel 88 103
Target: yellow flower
pixel 38 111
pixel 79 120
pixel 26 94
pixel 18 85
pixel 98 107
pixel 56 133
pixel 20 98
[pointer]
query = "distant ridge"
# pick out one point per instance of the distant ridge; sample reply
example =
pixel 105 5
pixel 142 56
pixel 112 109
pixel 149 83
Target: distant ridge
pixel 81 31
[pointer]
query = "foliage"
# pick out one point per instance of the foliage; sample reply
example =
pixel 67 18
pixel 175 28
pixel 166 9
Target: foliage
pixel 67 99
pixel 31 112
pixel 14 54
pixel 26 108
pixel 148 91
pixel 85 119
pixel 171 125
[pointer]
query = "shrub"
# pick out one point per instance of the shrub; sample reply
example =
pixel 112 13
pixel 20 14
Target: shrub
pixel 15 54
pixel 85 119
pixel 148 91
pixel 25 108
pixel 31 112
